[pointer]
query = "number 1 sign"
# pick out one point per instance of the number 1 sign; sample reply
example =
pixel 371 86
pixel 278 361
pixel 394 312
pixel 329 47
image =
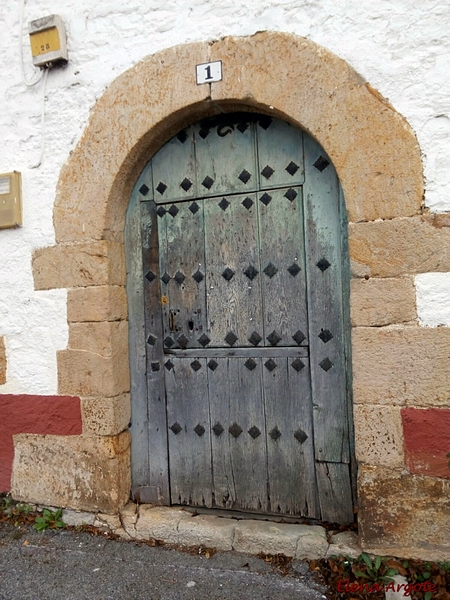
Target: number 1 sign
pixel 209 72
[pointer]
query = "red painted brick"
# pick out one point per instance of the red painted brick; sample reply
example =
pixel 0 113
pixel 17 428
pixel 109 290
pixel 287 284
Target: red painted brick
pixel 427 440
pixel 57 415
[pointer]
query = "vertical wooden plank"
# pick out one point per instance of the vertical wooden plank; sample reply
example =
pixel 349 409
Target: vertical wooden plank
pixel 174 174
pixel 333 480
pixel 183 271
pixel 189 431
pixel 233 276
pixel 238 434
pixel 324 275
pixel 283 277
pixel 136 340
pixel 157 424
pixel 280 154
pixel 226 161
pixel 290 438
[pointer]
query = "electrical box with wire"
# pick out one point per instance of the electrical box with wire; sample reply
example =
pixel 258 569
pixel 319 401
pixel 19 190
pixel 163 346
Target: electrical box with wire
pixel 10 200
pixel 48 41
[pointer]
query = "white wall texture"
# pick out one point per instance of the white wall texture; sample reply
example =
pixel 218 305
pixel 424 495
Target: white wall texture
pixel 401 47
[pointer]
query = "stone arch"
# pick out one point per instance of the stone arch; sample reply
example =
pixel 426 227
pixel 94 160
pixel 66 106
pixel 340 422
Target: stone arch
pixel 372 147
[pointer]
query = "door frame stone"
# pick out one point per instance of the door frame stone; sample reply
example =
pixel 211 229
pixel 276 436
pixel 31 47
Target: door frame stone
pixel 372 147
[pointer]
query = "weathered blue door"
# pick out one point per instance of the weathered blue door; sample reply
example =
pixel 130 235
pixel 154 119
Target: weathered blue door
pixel 245 322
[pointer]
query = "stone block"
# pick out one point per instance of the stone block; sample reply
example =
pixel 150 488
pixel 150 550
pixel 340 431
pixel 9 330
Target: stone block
pixel 403 515
pixel 312 543
pixel 377 302
pixel 2 361
pixel 106 416
pixel 78 472
pixel 97 303
pixel 75 518
pixel 160 523
pixel 103 338
pixel 79 265
pixel 401 365
pixel 87 374
pixel 400 246
pixel 378 435
pixel 344 543
pixel 207 530
pixel 381 174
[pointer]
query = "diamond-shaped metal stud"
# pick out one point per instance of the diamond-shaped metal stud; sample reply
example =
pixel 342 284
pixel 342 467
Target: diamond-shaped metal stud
pixel 183 341
pixel 266 198
pixel 155 366
pixel 182 136
pixel 151 340
pixel 224 204
pixel 292 168
pixel 267 172
pixel 208 182
pixel 297 364
pixel 273 338
pixel 179 277
pixel 168 342
pixel 196 365
pixel 166 278
pixel 186 184
pixel 247 203
pixel 199 430
pixel 204 340
pixel 291 195
pixel 150 276
pixel 230 338
pixel 244 176
pixel 300 436
pixel 218 429
pixel 213 365
pixel 321 163
pixel 326 364
pixel 228 274
pixel 161 211
pixel 198 276
pixel 298 337
pixel 242 126
pixel 255 338
pixel 325 335
pixel 161 187
pixel 194 207
pixel 270 364
pixel 323 264
pixel 204 132
pixel 173 210
pixel 176 428
pixel 294 269
pixel 144 189
pixel 270 270
pixel 265 122
pixel 251 272
pixel 250 364
pixel 169 365
pixel 254 432
pixel 235 430
pixel 275 433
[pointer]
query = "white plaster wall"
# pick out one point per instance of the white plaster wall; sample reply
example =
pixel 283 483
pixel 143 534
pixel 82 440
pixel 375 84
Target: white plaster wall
pixel 400 46
pixel 433 299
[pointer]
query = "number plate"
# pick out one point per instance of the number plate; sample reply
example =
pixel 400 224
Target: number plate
pixel 209 72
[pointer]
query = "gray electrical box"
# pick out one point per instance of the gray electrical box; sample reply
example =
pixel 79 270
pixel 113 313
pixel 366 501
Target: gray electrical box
pixel 10 200
pixel 48 41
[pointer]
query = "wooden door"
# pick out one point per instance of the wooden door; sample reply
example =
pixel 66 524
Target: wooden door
pixel 245 331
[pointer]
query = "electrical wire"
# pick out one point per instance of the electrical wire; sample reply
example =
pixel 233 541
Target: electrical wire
pixel 41 156
pixel 22 68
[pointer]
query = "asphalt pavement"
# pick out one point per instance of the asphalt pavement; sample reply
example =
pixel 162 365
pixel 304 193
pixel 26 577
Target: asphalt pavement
pixel 73 565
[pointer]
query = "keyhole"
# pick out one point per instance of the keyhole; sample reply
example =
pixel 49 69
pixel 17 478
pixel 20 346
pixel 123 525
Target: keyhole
pixel 191 325
pixel 171 321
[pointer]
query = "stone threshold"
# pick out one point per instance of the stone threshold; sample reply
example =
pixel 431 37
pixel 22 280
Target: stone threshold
pixel 251 536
